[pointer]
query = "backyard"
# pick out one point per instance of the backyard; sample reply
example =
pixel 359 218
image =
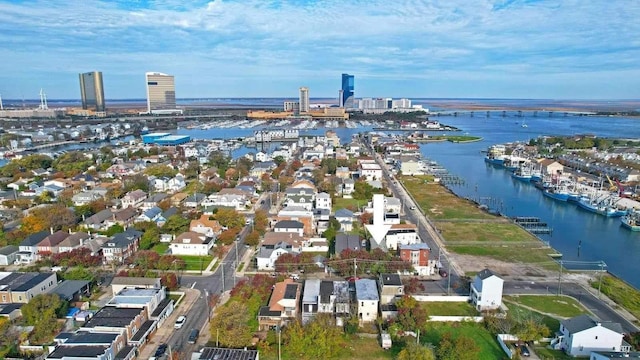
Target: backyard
pixel 489 348
pixel 448 308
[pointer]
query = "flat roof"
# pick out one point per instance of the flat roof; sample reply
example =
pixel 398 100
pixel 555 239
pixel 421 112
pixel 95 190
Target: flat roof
pixel 110 316
pixel 366 289
pixel 211 353
pixel 156 134
pixel 82 351
pixel 68 288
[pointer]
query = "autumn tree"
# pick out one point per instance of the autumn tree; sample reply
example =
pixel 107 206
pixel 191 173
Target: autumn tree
pixel 414 351
pixel 229 218
pixel 413 286
pixel 43 306
pixel 176 224
pixel 227 237
pixel 55 216
pixel 160 170
pixel 253 239
pixel 229 325
pixel 72 163
pixel 460 348
pixel 411 314
pixel 136 182
pixel 318 339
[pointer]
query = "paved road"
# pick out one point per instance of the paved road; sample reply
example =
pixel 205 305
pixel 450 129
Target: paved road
pixel 223 279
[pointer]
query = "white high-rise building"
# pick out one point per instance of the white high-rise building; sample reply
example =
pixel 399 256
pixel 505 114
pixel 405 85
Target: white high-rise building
pixel 401 104
pixel 161 93
pixel 304 99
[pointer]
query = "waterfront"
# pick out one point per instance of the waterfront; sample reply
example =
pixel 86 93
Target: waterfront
pixel 599 238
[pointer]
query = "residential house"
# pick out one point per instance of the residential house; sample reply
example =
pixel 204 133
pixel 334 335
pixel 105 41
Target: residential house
pixel 299 191
pixel 310 299
pixel 345 218
pixel 97 221
pixel 191 243
pixel 18 287
pixel 206 226
pixel 73 241
pixel 176 183
pixel 234 201
pixel 153 201
pixel 110 319
pixel 347 241
pixel 289 226
pixel 367 300
pixel 282 307
pixel 418 255
pixel 8 255
pixel 346 188
pixel 29 247
pixel 84 345
pixel 133 199
pixel 391 288
pixel 299 214
pixel 323 201
pixel 49 245
pixel 301 201
pixel 304 184
pixel 86 197
pixel 72 290
pixel 153 214
pixel 551 167
pixel 580 335
pixel 343 172
pixel 121 246
pixel 326 297
pixel 193 201
pixel 401 234
pixel 370 171
pixel 614 355
pixel 294 241
pixel 322 218
pixel 121 282
pixel 124 217
pixel 267 256
pixel 261 156
pixel 410 167
pixel 486 290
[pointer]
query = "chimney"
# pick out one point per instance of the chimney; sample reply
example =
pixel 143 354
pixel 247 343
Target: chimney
pixel 51 230
pixel 81 241
pixel 69 230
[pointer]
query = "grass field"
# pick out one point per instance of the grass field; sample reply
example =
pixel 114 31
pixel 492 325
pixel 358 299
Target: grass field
pixel 558 305
pixel 196 263
pixel 548 354
pixel 357 348
pixel 484 232
pixel 350 204
pixel 621 293
pixel 438 203
pixel 513 253
pixel 552 323
pixel 489 348
pixel 160 248
pixel 447 308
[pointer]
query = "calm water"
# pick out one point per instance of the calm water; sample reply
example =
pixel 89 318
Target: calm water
pixel 600 239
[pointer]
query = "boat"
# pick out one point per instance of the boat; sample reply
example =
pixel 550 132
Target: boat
pixel 513 162
pixel 605 207
pixel 631 221
pixel 524 125
pixel 496 155
pixel 523 173
pixel 556 192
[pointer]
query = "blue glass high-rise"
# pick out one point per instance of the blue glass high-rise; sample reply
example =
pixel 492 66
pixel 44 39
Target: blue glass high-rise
pixel 347 91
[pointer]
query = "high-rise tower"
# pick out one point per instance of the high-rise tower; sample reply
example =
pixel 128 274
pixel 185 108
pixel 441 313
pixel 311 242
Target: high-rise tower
pixel 347 100
pixel 91 91
pixel 304 99
pixel 161 92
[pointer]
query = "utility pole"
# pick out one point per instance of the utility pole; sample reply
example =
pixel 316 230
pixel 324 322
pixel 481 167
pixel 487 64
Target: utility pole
pixel 559 278
pixel 354 268
pixel 222 267
pixel 449 279
pixel 279 335
pixel 600 282
pixel 206 294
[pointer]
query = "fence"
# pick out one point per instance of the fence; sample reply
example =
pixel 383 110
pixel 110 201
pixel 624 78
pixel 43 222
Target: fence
pixel 440 298
pixel 506 337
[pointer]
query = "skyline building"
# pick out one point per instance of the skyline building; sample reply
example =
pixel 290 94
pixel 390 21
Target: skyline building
pixel 92 91
pixel 348 82
pixel 304 99
pixel 161 92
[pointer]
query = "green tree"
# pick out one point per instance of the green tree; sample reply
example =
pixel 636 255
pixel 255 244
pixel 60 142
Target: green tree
pixel 160 171
pixel 136 182
pixel 79 273
pixel 42 307
pixel 229 218
pixel 150 238
pixel 460 348
pixel 414 351
pixel 219 160
pixel 72 163
pixel 318 339
pixel 253 239
pixel 176 224
pixel 229 325
pixel 114 229
pixel 411 314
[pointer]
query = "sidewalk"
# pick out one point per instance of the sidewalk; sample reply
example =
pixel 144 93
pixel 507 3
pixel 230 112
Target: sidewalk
pixel 164 332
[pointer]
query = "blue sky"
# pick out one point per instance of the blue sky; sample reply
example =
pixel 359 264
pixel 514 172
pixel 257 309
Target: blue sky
pixel 584 49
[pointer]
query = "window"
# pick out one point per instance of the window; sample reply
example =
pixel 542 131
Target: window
pixel 361 303
pixel 596 337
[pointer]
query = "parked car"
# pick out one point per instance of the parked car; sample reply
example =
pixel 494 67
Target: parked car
pixel 193 336
pixel 524 351
pixel 443 273
pixel 412 208
pixel 162 348
pixel 180 321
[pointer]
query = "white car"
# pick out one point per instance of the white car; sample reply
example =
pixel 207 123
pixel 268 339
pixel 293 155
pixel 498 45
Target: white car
pixel 181 320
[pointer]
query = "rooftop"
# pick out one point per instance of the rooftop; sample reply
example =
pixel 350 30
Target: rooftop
pixel 390 279
pixel 110 316
pixel 366 289
pixel 83 351
pixel 584 322
pixel 211 353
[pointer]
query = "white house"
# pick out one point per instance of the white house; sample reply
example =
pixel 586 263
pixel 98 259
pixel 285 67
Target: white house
pixel 261 157
pixel 614 355
pixel 401 234
pixel 289 226
pixel 370 171
pixel 266 258
pixel 367 300
pixel 323 201
pixel 191 243
pixel 235 201
pixel 133 199
pixel 581 335
pixel 486 290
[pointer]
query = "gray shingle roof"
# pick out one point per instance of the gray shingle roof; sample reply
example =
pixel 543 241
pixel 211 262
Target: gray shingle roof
pixel 584 322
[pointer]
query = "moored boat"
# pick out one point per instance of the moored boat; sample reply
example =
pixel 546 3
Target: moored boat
pixel 496 155
pixel 523 173
pixel 556 192
pixel 631 221
pixel 605 207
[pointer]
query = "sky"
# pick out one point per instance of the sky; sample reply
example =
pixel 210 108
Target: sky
pixel 560 49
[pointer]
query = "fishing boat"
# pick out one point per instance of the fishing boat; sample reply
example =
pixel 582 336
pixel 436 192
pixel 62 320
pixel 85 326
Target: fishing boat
pixel 601 206
pixel 513 162
pixel 496 155
pixel 631 221
pixel 523 173
pixel 556 192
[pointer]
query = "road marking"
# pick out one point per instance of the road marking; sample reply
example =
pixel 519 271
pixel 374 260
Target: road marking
pixel 194 284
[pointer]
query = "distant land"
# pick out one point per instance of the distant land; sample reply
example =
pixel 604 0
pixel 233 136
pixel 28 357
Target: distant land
pixel 433 104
